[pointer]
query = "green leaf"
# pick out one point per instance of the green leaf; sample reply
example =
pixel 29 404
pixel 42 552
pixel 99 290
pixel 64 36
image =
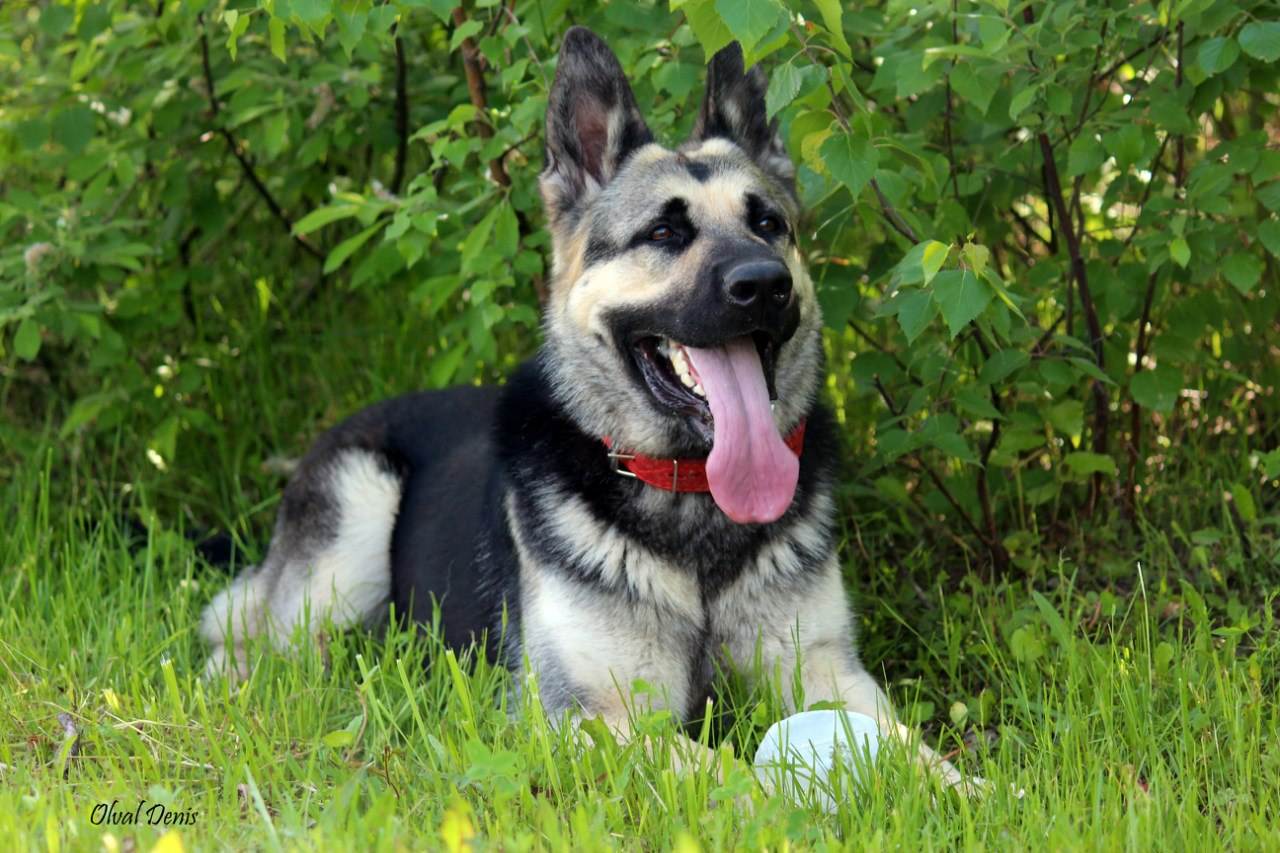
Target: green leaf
pixel 322 216
pixel 1157 389
pixel 784 85
pixel 1269 195
pixel 705 22
pixel 1261 40
pixel 1125 144
pixel 850 160
pixel 1180 251
pixel 832 18
pixel 275 132
pixel 976 257
pixel 506 231
pixel 338 739
pixel 838 297
pixel 1083 463
pixel 961 296
pixel 1269 234
pixel 275 29
pixel 443 9
pixel 26 341
pixel 1001 364
pixel 1244 502
pixel 73 128
pixel 976 403
pixel 975 88
pixel 312 12
pixel 1025 645
pixel 86 409
pixel 56 19
pixel 1085 154
pixel 1090 369
pixel 993 31
pixel 236 26
pixel 1243 270
pixel 1067 417
pixel 1058 99
pixel 1218 54
pixel 1019 103
pixel 464 31
pixel 749 20
pixel 916 310
pixel 935 255
pixel 348 247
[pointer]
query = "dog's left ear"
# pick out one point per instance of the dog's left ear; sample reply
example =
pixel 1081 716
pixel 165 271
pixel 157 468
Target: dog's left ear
pixel 593 123
pixel 733 109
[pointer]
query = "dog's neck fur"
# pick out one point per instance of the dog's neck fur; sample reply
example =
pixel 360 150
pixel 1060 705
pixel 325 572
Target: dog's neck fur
pixel 549 461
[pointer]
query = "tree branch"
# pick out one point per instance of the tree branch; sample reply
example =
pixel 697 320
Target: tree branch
pixel 1140 348
pixel 402 117
pixel 999 556
pixel 246 165
pixel 1079 271
pixel 472 66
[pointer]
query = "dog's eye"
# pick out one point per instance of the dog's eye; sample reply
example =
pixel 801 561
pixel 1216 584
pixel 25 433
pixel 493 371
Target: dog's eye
pixel 661 234
pixel 768 224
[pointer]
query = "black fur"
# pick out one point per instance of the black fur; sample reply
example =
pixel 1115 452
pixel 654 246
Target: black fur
pixel 463 451
pixel 593 122
pixel 733 108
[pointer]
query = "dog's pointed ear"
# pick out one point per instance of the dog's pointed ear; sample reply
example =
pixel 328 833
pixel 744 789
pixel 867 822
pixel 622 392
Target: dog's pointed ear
pixel 733 109
pixel 593 123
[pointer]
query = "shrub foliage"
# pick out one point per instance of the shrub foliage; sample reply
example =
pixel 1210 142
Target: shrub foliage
pixel 1044 233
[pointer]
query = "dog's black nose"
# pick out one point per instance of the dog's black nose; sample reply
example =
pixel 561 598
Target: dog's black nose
pixel 760 285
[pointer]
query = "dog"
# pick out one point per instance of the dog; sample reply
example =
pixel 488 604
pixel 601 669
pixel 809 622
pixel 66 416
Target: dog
pixel 650 497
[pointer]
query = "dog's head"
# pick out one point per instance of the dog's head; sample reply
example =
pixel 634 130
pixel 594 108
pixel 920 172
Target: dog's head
pixel 681 319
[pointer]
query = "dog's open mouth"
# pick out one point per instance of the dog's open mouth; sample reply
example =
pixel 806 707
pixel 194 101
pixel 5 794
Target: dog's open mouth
pixel 726 390
pixel 674 382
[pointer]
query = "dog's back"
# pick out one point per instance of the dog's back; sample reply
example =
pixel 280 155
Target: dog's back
pixel 336 546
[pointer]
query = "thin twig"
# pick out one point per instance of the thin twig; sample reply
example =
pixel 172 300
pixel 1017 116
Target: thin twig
pixel 937 481
pixel 533 54
pixel 1030 230
pixel 1120 63
pixel 402 117
pixel 999 556
pixel 902 365
pixel 246 165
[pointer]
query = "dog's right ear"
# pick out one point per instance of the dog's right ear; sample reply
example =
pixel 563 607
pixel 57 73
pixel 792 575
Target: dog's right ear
pixel 593 123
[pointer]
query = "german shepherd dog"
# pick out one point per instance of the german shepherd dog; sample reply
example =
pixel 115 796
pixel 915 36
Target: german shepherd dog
pixel 647 498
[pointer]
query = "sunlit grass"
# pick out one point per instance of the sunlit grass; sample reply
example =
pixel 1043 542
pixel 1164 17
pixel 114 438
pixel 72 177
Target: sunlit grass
pixel 1146 721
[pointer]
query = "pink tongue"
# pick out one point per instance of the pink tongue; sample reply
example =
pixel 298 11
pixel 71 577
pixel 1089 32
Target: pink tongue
pixel 751 471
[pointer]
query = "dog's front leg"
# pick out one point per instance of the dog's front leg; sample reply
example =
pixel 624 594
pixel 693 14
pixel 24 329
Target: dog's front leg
pixel 590 648
pixel 804 633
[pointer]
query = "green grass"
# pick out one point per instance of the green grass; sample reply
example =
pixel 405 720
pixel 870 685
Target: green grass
pixel 1126 683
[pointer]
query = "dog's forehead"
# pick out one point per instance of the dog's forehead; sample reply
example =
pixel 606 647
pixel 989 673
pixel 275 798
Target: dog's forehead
pixel 713 178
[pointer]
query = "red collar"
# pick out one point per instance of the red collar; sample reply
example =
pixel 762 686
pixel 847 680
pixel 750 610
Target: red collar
pixel 679 475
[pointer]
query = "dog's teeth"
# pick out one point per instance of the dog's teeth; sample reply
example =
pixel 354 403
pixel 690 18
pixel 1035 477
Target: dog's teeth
pixel 687 380
pixel 697 389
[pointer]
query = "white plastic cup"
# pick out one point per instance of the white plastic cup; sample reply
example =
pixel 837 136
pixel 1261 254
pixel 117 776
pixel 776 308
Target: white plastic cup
pixel 797 754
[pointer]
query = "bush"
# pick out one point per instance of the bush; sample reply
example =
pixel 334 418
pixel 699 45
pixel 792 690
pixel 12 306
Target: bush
pixel 1043 228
